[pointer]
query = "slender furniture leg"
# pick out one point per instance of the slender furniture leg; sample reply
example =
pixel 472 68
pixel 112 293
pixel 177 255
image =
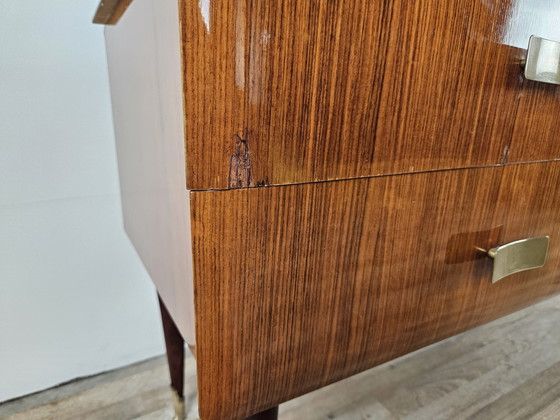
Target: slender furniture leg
pixel 270 414
pixel 175 346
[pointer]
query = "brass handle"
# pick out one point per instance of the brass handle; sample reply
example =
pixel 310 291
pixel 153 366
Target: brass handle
pixel 543 61
pixel 517 256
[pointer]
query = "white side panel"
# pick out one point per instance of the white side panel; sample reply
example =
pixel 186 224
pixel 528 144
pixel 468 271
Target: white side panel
pixel 74 298
pixel 143 52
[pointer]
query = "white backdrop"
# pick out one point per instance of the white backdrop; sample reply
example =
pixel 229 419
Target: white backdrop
pixel 75 299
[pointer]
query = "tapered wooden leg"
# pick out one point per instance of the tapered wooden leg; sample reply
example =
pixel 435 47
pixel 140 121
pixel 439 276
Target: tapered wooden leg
pixel 175 346
pixel 270 414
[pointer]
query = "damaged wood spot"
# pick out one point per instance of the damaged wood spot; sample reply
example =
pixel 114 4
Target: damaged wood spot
pixel 263 183
pixel 506 155
pixel 240 165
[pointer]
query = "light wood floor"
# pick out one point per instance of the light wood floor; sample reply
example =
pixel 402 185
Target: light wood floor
pixel 509 369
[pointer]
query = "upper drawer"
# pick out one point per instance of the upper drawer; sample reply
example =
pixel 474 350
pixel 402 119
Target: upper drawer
pixel 294 91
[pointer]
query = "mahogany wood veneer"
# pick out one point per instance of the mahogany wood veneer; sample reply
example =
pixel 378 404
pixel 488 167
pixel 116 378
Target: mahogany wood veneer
pixel 313 184
pixel 303 285
pixel 325 90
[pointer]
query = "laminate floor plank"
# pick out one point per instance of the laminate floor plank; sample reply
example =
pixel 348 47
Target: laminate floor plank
pixel 83 404
pixel 76 387
pixel 543 390
pixel 539 351
pixel 164 413
pixel 551 412
pixel 508 369
pixel 326 404
pixel 497 354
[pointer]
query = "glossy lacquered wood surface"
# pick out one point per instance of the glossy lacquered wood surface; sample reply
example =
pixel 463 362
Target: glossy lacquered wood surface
pixel 536 135
pixel 320 90
pixel 299 286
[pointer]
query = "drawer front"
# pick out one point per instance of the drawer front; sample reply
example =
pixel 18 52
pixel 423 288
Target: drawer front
pixel 302 285
pixel 290 91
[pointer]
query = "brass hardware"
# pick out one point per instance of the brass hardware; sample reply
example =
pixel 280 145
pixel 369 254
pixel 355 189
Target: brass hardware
pixel 543 61
pixel 517 256
pixel 178 405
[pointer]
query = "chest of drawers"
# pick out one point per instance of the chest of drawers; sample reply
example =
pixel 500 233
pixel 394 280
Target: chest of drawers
pixel 314 186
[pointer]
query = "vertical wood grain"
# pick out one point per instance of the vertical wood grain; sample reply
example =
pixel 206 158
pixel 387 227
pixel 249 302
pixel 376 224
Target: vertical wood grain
pixel 299 286
pixel 537 127
pixel 323 90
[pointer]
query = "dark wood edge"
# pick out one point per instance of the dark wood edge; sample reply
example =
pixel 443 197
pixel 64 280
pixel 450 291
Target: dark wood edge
pixel 175 346
pixel 110 11
pixel 270 414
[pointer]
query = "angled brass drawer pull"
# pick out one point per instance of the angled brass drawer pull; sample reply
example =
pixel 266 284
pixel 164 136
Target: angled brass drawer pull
pixel 517 256
pixel 543 61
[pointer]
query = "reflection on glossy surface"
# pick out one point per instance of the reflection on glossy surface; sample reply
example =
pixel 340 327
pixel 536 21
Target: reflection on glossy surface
pixel 467 246
pixel 204 6
pixel 531 17
pixel 240 43
pixel 332 90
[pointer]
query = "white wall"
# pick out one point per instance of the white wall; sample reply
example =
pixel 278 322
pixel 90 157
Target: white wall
pixel 74 297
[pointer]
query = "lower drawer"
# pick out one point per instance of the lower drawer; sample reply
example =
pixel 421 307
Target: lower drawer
pixel 299 286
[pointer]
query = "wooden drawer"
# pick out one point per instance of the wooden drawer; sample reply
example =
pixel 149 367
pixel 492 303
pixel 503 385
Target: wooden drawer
pixel 299 286
pixel 322 90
